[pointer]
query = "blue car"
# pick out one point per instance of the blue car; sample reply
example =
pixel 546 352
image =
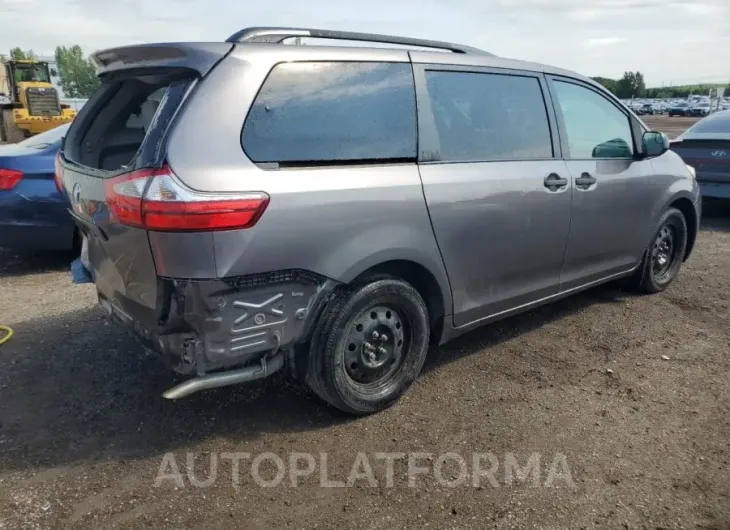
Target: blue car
pixel 33 213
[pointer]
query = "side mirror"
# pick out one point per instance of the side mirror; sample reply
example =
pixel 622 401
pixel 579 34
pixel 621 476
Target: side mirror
pixel 655 143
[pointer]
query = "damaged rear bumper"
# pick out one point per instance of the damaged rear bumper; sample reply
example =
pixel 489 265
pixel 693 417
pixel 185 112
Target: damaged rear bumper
pixel 206 326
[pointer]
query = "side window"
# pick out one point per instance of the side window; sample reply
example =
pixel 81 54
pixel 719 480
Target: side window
pixel 333 112
pixel 595 127
pixel 483 117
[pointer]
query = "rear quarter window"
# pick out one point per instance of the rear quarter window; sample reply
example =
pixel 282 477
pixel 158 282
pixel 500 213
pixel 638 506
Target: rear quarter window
pixel 333 112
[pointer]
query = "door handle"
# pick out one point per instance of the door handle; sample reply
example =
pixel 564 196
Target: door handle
pixel 554 182
pixel 585 181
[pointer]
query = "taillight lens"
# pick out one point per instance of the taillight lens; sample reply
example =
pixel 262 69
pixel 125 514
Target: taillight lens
pixel 124 197
pixel 58 172
pixel 168 206
pixel 9 178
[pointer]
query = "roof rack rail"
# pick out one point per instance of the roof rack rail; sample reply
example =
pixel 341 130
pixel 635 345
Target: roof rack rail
pixel 277 35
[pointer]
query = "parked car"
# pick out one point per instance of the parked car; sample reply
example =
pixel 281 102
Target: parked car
pixel 679 109
pixel 33 212
pixel 706 147
pixel 701 109
pixel 327 220
pixel 646 108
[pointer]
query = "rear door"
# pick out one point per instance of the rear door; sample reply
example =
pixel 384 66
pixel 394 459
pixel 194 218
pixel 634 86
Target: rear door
pixel 497 190
pixel 114 147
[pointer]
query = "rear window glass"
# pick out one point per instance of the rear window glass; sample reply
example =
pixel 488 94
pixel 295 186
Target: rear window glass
pixel 333 112
pixel 716 123
pixel 111 129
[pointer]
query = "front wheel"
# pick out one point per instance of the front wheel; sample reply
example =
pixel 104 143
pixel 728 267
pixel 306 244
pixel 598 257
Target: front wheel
pixel 663 257
pixel 13 134
pixel 369 346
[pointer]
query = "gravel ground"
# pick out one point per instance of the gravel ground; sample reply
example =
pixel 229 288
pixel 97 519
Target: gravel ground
pixel 626 397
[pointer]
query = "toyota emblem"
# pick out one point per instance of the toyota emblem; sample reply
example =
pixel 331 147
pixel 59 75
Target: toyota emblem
pixel 76 192
pixel 718 153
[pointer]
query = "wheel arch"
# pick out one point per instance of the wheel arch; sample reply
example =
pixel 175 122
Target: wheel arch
pixel 434 294
pixel 685 205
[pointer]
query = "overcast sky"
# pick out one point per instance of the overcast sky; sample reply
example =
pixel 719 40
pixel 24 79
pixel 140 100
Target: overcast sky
pixel 670 41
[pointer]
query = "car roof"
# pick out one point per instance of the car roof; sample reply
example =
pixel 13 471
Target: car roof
pixel 274 41
pixel 416 56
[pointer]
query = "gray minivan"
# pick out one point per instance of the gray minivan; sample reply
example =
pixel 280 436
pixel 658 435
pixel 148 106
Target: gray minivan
pixel 250 206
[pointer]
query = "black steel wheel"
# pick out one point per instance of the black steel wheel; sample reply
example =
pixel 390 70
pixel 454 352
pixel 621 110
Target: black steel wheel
pixel 375 345
pixel 369 346
pixel 663 259
pixel 663 252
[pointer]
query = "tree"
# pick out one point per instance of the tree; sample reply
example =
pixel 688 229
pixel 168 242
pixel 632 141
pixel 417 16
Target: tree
pixel 18 54
pixel 78 75
pixel 631 85
pixel 609 84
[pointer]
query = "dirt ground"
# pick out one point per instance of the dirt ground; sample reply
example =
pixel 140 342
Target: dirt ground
pixel 626 396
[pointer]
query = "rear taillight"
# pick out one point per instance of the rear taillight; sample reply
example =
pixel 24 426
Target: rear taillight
pixel 9 178
pixel 168 206
pixel 58 172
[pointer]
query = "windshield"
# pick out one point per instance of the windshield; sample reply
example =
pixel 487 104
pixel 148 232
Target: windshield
pixel 46 139
pixel 37 72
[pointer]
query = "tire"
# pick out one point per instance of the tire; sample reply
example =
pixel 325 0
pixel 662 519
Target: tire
pixel 369 345
pixel 654 274
pixel 12 133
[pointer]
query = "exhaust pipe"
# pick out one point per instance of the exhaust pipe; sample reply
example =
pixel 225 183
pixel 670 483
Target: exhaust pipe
pixel 233 377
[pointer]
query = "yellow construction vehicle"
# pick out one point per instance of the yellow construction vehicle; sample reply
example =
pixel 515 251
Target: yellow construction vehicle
pixel 29 102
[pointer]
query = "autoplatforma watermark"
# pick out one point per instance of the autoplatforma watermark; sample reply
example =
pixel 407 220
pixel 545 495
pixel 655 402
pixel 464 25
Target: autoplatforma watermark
pixel 451 469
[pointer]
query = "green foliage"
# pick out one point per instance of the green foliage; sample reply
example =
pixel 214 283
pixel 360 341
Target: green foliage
pixel 78 76
pixel 631 85
pixel 681 91
pixel 19 54
pixel 609 84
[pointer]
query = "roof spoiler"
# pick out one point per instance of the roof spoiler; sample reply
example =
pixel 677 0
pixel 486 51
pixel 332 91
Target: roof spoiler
pixel 274 35
pixel 197 56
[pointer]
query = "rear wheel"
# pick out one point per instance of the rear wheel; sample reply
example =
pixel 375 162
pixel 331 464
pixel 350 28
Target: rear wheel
pixel 369 346
pixel 663 258
pixel 11 132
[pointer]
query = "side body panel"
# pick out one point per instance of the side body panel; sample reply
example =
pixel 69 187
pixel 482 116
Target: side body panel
pixel 501 232
pixel 609 219
pixel 671 181
pixel 336 221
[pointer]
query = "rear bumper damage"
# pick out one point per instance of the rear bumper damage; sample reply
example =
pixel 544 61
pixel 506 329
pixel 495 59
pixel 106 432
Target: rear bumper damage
pixel 231 330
